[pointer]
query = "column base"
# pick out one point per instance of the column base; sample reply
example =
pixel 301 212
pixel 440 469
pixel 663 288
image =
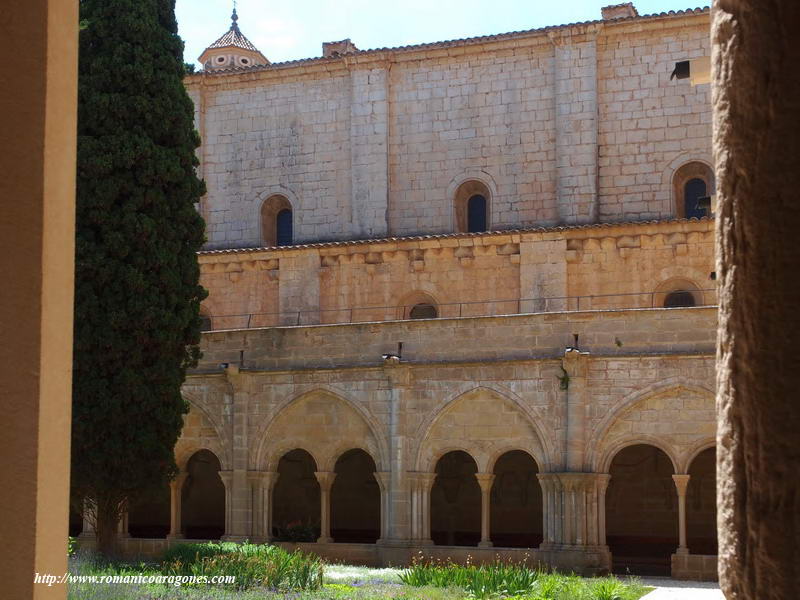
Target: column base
pixel 485 545
pixel 682 550
pixel 176 536
pixel 87 536
pixel 325 540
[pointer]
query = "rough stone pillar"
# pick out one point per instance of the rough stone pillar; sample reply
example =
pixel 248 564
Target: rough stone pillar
pixel 37 230
pixel 325 479
pixel 575 79
pixel 298 288
pixel 485 480
pixel 261 485
pixel 756 124
pixel 369 153
pixel 384 479
pixel 421 484
pixel 681 481
pixel 175 501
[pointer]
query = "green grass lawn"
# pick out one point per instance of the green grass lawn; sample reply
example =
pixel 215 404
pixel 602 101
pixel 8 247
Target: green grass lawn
pixel 267 572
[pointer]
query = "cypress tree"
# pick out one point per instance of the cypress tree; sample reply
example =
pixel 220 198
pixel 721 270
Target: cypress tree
pixel 137 293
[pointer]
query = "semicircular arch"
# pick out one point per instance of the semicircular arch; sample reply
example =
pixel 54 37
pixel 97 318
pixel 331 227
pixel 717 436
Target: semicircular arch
pixel 489 418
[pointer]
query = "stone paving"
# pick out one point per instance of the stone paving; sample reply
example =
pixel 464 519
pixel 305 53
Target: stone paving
pixel 671 589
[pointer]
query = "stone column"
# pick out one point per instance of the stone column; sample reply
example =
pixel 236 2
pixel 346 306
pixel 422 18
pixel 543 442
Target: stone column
pixel 384 482
pixel 175 500
pixel 681 481
pixel 756 117
pixel 325 479
pixel 421 484
pixel 602 486
pixel 261 485
pixel 576 365
pixel 88 529
pixel 122 526
pixel 574 520
pixel 227 481
pixel 37 236
pixel 485 480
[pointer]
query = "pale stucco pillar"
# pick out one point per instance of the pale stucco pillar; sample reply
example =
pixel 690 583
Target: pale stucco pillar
pixel 681 482
pixel 37 232
pixel 485 481
pixel 325 479
pixel 384 479
pixel 261 486
pixel 175 500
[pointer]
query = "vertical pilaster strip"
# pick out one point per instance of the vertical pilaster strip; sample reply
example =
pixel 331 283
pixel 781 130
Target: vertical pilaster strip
pixel 575 80
pixel 227 481
pixel 384 483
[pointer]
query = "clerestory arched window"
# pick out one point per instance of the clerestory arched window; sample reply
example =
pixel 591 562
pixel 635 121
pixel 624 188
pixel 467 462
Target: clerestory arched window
pixel 692 181
pixel 277 225
pixel 472 204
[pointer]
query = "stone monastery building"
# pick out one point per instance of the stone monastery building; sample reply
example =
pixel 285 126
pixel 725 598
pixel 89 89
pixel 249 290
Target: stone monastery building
pixel 461 301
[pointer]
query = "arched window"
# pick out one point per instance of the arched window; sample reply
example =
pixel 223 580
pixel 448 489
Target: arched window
pixel 472 207
pixel 276 221
pixel 679 298
pixel 693 190
pixel 476 214
pixel 284 227
pixel 423 311
pixel 692 181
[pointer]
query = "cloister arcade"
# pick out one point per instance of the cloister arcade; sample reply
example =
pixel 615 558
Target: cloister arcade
pixel 482 479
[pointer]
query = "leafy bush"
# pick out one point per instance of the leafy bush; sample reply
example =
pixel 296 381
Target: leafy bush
pixel 251 564
pixel 484 581
pixel 298 532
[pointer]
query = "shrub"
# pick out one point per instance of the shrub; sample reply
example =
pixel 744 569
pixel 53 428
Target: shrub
pixel 251 564
pixel 484 581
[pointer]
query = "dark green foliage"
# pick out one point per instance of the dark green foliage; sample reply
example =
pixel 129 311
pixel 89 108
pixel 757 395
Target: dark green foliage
pixel 137 294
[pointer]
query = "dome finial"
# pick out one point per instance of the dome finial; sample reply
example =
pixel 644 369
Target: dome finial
pixel 234 18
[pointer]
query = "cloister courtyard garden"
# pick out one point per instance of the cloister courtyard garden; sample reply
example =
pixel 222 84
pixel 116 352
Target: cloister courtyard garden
pixel 251 571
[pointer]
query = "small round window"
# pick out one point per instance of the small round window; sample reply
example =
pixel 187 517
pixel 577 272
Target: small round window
pixel 245 61
pixel 220 59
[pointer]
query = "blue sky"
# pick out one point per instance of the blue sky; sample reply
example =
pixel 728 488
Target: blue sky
pixel 291 30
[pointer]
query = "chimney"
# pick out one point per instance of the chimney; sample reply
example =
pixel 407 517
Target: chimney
pixel 619 11
pixel 334 49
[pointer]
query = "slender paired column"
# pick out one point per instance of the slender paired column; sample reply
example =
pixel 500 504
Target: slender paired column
pixel 261 485
pixel 227 481
pixel 602 486
pixel 175 499
pixel 681 482
pixel 384 483
pixel 88 530
pixel 485 480
pixel 325 479
pixel 421 484
pixel 122 525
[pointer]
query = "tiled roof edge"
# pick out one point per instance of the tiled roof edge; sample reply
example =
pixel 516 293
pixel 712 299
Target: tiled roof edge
pixel 455 42
pixel 440 236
